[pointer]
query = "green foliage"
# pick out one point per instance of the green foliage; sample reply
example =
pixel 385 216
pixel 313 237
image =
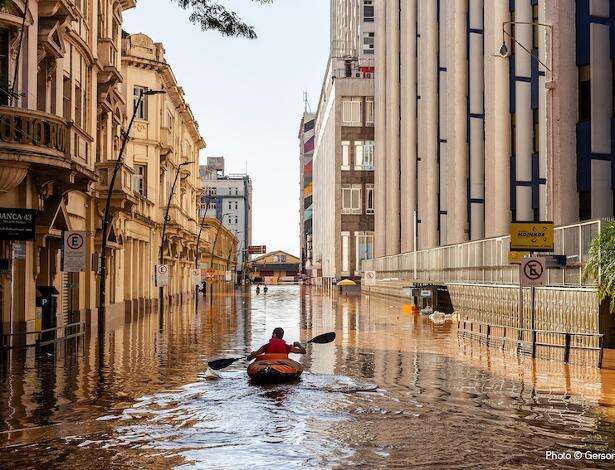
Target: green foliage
pixel 600 264
pixel 212 15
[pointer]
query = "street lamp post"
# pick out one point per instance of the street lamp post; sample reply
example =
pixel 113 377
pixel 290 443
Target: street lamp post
pixel 164 231
pixel 106 220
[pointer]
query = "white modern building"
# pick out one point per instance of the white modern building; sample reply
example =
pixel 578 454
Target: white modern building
pixel 228 198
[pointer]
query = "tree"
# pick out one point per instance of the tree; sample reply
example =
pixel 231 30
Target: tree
pixel 600 264
pixel 212 15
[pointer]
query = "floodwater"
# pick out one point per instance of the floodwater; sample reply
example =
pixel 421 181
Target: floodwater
pixel 393 391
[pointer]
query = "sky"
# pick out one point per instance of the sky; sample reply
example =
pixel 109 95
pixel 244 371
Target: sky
pixel 247 95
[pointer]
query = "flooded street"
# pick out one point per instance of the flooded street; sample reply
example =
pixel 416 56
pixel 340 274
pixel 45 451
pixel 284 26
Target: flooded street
pixel 393 391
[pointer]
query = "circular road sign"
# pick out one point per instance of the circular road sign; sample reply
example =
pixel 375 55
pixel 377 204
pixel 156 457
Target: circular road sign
pixel 75 241
pixel 533 269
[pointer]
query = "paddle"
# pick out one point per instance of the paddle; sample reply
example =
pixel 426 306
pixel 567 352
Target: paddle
pixel 218 364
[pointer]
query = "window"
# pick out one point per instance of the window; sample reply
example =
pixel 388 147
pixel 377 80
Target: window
pixel 364 155
pixel 236 220
pixel 369 198
pixel 369 111
pixel 345 251
pixel 585 108
pixel 345 155
pixel 141 179
pixel 364 246
pixel 78 107
pixel 351 111
pixel 351 199
pixel 368 43
pixel 66 98
pixel 230 205
pixel 368 11
pixel 141 110
pixel 236 205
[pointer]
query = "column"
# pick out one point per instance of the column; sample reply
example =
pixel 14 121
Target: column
pixel 497 124
pixel 408 142
pixel 380 131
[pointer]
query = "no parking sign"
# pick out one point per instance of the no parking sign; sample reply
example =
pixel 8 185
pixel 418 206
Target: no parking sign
pixel 162 275
pixel 74 252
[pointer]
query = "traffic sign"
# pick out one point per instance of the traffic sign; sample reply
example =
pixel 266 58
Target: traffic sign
pixel 369 278
pixel 532 272
pixel 196 277
pixel 257 250
pixel 74 252
pixel 161 275
pixel 531 236
pixel 211 274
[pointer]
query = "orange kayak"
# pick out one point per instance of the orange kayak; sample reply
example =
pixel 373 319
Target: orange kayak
pixel 274 368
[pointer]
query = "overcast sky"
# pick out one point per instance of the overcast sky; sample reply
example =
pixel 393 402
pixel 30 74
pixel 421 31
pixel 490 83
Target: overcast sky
pixel 248 95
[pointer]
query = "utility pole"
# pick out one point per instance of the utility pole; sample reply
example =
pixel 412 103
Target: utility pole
pixel 106 217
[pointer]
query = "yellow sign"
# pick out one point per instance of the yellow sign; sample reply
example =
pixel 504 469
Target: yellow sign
pixel 516 257
pixel 531 236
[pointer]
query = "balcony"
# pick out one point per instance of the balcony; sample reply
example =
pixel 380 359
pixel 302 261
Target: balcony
pixel 123 197
pixel 40 143
pixel 108 58
pixel 166 141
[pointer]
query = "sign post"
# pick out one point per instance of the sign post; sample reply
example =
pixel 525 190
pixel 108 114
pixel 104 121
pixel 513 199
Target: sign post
pixel 196 277
pixel 369 278
pixel 74 252
pixel 161 275
pixel 532 273
pixel 257 250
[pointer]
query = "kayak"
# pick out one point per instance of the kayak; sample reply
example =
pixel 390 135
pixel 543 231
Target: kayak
pixel 274 368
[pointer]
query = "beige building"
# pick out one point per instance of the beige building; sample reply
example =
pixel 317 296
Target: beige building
pixel 66 93
pixel 472 136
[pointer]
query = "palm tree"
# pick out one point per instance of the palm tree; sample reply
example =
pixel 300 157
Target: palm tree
pixel 600 265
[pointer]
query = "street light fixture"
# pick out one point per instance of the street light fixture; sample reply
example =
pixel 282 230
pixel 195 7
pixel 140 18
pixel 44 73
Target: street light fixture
pixel 505 51
pixel 164 231
pixel 106 220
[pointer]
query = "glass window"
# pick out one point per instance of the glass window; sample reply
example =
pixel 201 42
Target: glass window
pixel 351 199
pixel 4 66
pixel 368 43
pixel 368 11
pixel 141 110
pixel 141 179
pixel 369 199
pixel 369 111
pixel 364 247
pixel 351 111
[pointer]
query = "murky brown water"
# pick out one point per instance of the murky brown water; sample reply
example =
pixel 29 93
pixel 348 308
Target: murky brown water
pixel 393 391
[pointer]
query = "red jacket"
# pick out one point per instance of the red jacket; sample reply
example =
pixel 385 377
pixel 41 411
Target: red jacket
pixel 277 346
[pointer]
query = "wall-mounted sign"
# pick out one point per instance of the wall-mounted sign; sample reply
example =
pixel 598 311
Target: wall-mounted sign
pixel 532 272
pixel 228 276
pixel 257 250
pixel 17 224
pixel 19 129
pixel 196 277
pixel 161 272
pixel 74 252
pixel 426 294
pixel 531 236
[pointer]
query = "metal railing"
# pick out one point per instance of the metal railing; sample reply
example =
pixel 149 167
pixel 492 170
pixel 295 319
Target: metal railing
pixel 44 337
pixel 486 261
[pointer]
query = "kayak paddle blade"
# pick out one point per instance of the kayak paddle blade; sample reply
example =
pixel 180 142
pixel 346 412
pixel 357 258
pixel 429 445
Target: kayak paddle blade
pixel 324 338
pixel 222 363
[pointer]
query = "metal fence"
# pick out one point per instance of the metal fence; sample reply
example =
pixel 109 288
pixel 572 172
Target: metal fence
pixel 486 261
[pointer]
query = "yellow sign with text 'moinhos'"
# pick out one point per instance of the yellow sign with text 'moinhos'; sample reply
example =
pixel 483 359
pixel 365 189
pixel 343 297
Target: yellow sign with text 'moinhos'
pixel 531 236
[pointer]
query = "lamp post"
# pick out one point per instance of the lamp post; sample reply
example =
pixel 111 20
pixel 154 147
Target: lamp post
pixel 213 248
pixel 106 220
pixel 197 255
pixel 549 85
pixel 164 231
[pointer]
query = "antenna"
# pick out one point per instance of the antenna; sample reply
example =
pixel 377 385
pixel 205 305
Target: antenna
pixel 306 102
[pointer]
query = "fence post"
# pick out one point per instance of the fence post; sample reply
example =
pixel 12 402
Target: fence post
pixel 567 349
pixel 600 351
pixel 533 344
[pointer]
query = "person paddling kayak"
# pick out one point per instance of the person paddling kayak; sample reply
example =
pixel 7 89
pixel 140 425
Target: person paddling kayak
pixel 277 345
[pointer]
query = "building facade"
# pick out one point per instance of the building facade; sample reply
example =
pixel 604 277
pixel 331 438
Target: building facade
pixel 67 85
pixel 343 161
pixel 228 198
pixel 276 267
pixel 487 113
pixel 164 149
pixel 306 209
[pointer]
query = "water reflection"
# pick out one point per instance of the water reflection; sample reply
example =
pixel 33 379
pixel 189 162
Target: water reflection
pixel 393 390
